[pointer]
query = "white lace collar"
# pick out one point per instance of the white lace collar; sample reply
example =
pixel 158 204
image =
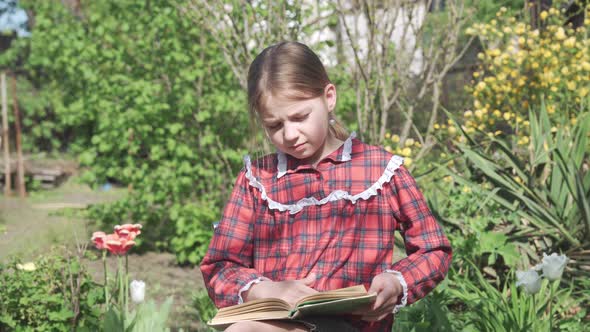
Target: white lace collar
pixel 282 157
pixel 394 163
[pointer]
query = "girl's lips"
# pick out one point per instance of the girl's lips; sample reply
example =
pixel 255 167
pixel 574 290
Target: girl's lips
pixel 298 146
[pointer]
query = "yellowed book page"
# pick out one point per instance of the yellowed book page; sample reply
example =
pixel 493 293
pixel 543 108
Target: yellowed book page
pixel 342 293
pixel 222 323
pixel 270 304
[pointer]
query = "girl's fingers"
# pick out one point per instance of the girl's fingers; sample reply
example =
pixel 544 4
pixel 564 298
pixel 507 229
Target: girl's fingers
pixel 310 279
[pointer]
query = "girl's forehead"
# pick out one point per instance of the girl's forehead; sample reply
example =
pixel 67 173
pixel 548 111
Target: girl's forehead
pixel 273 105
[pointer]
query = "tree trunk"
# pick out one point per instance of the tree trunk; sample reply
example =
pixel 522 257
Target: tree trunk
pixel 7 180
pixel 22 190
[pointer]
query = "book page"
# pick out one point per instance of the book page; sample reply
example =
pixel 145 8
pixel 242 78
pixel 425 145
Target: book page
pixel 224 322
pixel 270 304
pixel 348 292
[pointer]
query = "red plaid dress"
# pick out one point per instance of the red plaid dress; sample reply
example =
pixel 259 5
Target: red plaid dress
pixel 285 219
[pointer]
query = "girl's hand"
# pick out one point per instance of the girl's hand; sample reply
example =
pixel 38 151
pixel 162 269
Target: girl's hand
pixel 288 290
pixel 388 289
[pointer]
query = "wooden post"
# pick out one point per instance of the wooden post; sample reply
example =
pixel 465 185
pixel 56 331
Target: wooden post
pixel 7 175
pixel 535 8
pixel 22 190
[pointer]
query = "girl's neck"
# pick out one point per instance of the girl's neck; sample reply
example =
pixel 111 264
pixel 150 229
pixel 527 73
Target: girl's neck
pixel 332 144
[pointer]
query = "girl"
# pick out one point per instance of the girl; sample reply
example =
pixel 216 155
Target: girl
pixel 320 214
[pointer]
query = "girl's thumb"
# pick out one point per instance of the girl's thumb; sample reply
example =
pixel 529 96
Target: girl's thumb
pixel 310 279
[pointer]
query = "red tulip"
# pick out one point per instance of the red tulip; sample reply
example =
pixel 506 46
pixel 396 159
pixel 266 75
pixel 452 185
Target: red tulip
pixel 118 245
pixel 128 231
pixel 99 240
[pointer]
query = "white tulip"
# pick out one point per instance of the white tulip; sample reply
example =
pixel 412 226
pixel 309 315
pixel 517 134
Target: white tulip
pixel 552 266
pixel 529 280
pixel 137 288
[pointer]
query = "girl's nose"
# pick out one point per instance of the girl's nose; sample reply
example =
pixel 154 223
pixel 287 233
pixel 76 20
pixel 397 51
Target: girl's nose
pixel 290 132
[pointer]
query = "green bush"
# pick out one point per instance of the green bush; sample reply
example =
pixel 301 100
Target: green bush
pixel 143 96
pixel 53 293
pixel 204 306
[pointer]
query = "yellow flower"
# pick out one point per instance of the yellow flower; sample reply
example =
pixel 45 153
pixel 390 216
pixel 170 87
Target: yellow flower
pixel 468 114
pixel 506 116
pixel 406 152
pixel 543 15
pixel 452 130
pixel 408 161
pixel 535 65
pixel 560 34
pixel 388 149
pixel 553 89
pixel 30 266
pixel 571 85
pixel 480 86
pixel 436 126
pixel 497 113
pixel 409 142
pixel 521 41
pixel 573 121
pixel 387 135
pixel 478 114
pixel 565 70
pixel 583 92
pixel 395 138
pixel 550 109
pixel 570 42
pixel 586 65
pixel 448 179
pixel 498 132
pixel 466 189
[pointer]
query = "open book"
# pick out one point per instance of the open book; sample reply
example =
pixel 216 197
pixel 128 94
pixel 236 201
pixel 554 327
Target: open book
pixel 334 302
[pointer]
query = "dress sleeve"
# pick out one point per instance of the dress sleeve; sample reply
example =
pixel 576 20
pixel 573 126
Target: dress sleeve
pixel 227 267
pixel 428 249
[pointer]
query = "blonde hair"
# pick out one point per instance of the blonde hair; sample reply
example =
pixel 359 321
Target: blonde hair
pixel 291 70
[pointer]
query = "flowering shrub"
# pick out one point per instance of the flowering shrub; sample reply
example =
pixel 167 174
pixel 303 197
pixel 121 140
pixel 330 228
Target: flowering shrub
pixel 522 68
pixel 53 293
pixel 407 150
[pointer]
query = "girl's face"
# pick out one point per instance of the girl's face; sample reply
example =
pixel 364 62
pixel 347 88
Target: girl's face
pixel 300 128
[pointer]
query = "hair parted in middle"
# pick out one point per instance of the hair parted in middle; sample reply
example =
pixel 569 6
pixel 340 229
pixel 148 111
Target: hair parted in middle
pixel 289 70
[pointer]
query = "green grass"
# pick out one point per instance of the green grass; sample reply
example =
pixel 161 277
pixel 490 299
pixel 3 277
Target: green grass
pixel 46 218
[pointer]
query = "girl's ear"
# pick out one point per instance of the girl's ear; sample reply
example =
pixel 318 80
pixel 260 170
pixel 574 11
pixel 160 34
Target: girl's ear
pixel 330 96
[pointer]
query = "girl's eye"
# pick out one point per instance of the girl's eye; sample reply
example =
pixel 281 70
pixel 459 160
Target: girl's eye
pixel 274 126
pixel 301 117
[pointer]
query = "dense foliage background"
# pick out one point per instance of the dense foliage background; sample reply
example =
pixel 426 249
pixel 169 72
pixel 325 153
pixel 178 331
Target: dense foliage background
pixel 145 95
